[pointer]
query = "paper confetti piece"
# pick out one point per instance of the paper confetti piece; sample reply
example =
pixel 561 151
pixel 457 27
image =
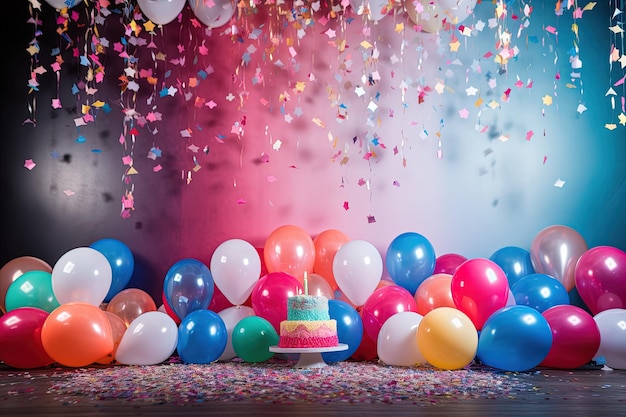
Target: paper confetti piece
pixel 69 193
pixel 559 183
pixel 29 164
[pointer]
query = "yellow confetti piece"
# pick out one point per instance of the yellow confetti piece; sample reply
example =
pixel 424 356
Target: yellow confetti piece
pixel 131 171
pixel 569 85
pixel 622 119
pixel 99 104
pixel 318 121
pixel 616 29
pixel 399 27
pixel 33 50
pixel 366 44
pixel 478 102
pixel 494 104
pixel 300 85
pixel 149 26
pixel 610 126
pixel 589 6
pixel 85 109
pixel 547 100
pixel 454 46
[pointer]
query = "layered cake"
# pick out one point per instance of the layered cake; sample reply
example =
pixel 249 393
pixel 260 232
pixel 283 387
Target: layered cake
pixel 308 323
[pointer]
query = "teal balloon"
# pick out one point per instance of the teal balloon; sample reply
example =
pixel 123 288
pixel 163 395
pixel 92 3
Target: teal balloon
pixel 31 289
pixel 514 338
pixel 202 337
pixel 252 338
pixel 122 263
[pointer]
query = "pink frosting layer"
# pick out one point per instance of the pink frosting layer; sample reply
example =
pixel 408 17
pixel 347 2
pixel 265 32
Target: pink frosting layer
pixel 308 342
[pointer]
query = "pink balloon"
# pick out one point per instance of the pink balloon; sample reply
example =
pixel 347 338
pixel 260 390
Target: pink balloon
pixel 575 337
pixel 20 338
pixel 555 250
pixel 270 294
pixel 479 288
pixel 448 263
pixel 384 303
pixel 600 277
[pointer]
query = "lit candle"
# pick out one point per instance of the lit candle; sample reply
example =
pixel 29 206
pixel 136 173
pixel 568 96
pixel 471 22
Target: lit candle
pixel 306 284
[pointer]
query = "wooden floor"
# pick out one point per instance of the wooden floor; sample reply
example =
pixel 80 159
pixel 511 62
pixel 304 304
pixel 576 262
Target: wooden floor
pixel 583 392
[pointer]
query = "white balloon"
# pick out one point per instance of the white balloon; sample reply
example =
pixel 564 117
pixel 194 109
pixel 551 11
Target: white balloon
pixel 612 326
pixel 457 10
pixel 150 339
pixel 236 268
pixel 161 12
pixel 81 275
pixel 231 317
pixel 397 340
pixel 358 268
pixel 61 4
pixel 215 15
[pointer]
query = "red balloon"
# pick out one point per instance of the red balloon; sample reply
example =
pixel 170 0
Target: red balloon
pixel 600 276
pixel 384 303
pixel 479 288
pixel 219 301
pixel 367 350
pixel 269 296
pixel 20 338
pixel 169 310
pixel 575 337
pixel 448 263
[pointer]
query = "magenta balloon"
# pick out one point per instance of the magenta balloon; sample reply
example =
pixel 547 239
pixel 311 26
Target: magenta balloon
pixel 448 263
pixel 269 296
pixel 601 278
pixel 575 337
pixel 384 303
pixel 479 288
pixel 20 338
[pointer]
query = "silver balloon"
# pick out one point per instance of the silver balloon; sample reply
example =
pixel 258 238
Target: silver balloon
pixel 555 250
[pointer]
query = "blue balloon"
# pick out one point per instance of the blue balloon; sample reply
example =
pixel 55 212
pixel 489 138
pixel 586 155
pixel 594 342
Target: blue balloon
pixel 410 259
pixel 202 337
pixel 349 330
pixel 540 291
pixel 188 286
pixel 122 263
pixel 514 338
pixel 514 261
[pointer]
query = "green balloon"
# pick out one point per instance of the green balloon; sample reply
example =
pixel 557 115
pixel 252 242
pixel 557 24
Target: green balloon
pixel 252 338
pixel 31 289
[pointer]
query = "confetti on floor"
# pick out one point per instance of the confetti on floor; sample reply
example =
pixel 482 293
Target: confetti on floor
pixel 280 382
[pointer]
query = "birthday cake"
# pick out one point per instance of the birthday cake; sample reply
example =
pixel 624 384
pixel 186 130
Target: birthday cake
pixel 308 324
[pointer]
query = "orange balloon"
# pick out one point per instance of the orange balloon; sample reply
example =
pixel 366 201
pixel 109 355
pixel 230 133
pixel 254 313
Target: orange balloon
pixel 289 249
pixel 118 328
pixel 77 334
pixel 128 304
pixel 327 244
pixel 435 291
pixel 13 269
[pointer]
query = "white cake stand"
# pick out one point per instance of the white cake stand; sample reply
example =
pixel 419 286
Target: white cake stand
pixel 310 357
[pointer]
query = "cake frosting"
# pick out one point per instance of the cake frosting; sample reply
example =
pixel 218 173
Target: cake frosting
pixel 308 324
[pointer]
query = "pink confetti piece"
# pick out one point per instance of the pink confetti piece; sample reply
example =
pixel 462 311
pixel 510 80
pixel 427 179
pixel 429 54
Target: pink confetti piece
pixel 529 134
pixel 241 201
pixel 29 164
pixel 346 206
pixel 69 193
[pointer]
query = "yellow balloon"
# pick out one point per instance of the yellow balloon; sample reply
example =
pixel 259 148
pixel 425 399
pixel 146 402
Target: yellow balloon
pixel 447 338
